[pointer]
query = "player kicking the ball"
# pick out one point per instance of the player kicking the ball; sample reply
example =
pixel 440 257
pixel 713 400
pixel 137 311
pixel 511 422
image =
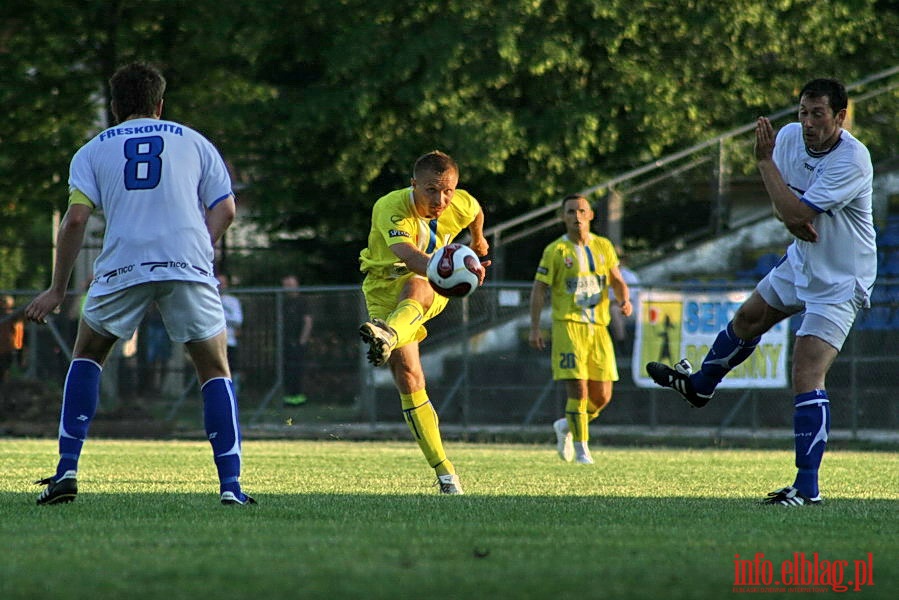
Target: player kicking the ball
pixel 819 179
pixel 407 225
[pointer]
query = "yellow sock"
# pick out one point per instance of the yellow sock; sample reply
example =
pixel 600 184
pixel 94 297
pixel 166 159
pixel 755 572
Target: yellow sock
pixel 576 414
pixel 405 319
pixel 423 423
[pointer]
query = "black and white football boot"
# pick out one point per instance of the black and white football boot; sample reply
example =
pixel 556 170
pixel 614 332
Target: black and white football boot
pixel 678 379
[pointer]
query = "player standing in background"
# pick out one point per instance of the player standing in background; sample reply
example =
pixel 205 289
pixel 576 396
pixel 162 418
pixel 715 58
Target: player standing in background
pixel 578 269
pixel 819 179
pixel 166 195
pixel 407 225
pixel 297 321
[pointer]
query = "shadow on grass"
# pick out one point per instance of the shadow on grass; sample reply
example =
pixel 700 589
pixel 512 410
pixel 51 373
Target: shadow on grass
pixel 470 504
pixel 418 545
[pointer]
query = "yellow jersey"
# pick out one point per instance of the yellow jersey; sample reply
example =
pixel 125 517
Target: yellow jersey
pixel 394 219
pixel 578 278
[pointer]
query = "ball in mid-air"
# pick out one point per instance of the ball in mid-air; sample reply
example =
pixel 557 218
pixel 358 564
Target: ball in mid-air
pixel 453 270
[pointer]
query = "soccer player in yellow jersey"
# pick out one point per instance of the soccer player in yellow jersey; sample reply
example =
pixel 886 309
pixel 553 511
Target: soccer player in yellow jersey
pixel 578 269
pixel 407 225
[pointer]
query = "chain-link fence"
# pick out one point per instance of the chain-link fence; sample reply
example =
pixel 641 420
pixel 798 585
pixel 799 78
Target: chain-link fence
pixel 479 366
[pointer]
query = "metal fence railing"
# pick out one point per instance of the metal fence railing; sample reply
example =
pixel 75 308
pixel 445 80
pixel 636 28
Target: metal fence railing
pixel 479 366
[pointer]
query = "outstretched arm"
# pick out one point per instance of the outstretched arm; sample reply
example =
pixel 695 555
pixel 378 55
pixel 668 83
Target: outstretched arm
pixel 68 244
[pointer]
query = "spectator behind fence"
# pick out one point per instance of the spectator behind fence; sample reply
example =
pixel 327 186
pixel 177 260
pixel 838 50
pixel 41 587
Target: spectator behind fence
pixel 819 179
pixel 166 194
pixel 297 331
pixel 12 337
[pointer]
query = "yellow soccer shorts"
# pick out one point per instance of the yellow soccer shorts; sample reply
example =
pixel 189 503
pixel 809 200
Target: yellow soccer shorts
pixel 382 297
pixel 583 351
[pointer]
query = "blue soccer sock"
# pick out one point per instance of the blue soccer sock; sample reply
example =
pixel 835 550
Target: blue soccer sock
pixel 220 418
pixel 80 398
pixel 811 424
pixel 726 353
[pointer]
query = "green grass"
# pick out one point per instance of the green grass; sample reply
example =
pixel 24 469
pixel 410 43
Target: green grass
pixel 362 520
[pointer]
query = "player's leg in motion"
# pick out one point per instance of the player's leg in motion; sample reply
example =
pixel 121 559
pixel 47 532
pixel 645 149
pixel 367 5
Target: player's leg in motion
pixel 406 319
pixel 754 317
pixel 726 353
pixel 599 395
pixel 80 398
pixel 398 329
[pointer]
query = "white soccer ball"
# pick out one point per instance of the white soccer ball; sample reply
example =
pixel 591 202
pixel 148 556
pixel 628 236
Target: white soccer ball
pixel 453 270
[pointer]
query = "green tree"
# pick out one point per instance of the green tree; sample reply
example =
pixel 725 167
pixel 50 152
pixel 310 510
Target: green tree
pixel 55 60
pixel 321 106
pixel 535 99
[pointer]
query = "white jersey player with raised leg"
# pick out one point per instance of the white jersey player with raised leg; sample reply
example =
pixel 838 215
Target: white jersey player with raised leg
pixel 819 179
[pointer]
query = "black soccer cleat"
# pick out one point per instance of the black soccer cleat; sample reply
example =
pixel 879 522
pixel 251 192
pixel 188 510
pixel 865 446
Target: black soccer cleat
pixel 678 379
pixel 239 499
pixel 790 496
pixel 381 339
pixel 58 491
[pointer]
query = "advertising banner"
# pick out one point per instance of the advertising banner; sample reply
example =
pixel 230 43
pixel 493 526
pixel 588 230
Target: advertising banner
pixel 672 325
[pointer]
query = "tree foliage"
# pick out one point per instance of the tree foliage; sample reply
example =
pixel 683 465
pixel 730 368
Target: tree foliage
pixel 321 106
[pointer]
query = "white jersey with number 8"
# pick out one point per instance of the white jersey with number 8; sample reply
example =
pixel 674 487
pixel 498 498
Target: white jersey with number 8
pixel 153 180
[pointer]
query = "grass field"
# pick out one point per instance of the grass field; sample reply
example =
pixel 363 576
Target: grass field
pixel 362 520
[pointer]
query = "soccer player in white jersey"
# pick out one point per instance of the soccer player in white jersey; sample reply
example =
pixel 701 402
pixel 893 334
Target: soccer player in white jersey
pixel 166 195
pixel 819 179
